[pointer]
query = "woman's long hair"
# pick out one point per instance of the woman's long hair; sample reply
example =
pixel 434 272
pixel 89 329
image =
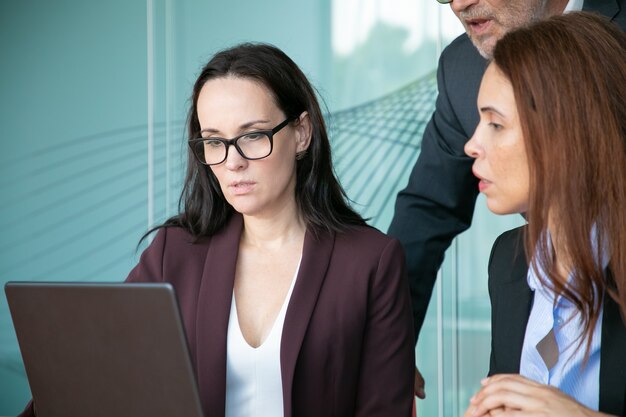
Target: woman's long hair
pixel 569 79
pixel 321 200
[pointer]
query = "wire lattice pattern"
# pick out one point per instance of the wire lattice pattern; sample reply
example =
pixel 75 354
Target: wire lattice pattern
pixel 375 146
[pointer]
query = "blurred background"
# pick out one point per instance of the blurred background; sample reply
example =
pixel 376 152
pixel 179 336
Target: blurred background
pixel 93 101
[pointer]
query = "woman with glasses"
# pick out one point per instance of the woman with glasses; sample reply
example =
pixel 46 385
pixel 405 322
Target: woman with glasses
pixel 292 305
pixel 551 143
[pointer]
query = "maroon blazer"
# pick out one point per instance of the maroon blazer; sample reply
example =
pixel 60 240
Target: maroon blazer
pixel 347 342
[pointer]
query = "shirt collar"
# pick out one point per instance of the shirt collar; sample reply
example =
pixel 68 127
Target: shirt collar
pixel 573 6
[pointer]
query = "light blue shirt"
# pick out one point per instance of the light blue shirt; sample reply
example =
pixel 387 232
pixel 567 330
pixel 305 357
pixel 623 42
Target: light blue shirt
pixel 568 374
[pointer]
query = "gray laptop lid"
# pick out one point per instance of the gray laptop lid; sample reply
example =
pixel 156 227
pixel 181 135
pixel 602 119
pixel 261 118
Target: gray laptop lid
pixel 107 349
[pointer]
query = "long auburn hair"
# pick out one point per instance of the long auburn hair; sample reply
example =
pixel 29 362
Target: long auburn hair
pixel 569 80
pixel 320 198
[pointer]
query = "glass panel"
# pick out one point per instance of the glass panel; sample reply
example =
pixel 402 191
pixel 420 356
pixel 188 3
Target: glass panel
pixel 94 104
pixel 73 158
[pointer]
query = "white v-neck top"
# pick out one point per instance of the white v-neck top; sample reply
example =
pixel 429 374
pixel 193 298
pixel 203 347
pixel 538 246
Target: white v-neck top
pixel 253 380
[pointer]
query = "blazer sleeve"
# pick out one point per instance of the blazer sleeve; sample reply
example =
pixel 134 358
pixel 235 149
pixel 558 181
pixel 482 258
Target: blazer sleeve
pixel 150 266
pixel 438 202
pixel 388 359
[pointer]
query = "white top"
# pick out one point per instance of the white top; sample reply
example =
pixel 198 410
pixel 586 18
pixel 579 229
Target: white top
pixel 254 385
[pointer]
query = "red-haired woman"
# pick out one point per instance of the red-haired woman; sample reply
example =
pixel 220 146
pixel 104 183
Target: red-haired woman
pixel 551 143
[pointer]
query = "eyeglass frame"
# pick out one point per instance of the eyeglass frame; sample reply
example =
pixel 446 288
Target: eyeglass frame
pixel 444 1
pixel 228 142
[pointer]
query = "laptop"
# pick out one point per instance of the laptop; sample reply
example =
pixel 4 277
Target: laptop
pixel 104 349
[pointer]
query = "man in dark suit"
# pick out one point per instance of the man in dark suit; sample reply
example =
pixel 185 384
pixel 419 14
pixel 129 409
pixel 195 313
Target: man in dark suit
pixel 438 202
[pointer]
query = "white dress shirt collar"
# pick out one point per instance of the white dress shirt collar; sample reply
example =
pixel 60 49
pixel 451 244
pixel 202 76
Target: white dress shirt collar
pixel 574 6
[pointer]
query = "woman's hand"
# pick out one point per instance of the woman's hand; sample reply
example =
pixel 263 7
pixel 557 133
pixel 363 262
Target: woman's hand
pixel 513 395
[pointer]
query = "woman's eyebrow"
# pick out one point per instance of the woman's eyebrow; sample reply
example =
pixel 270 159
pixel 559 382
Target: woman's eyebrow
pixel 243 126
pixel 490 109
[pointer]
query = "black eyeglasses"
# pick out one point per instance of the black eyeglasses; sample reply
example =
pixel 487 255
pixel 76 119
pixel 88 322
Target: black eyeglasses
pixel 444 1
pixel 251 145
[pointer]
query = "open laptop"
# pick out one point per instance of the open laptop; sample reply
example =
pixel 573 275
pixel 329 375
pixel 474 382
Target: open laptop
pixel 103 349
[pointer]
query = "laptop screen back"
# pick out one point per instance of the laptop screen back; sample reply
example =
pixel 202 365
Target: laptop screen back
pixel 107 349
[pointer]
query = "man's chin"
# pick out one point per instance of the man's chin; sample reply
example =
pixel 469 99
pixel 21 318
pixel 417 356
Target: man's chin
pixel 485 47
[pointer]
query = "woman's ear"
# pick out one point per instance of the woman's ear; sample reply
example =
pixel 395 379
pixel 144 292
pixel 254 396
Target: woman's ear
pixel 304 130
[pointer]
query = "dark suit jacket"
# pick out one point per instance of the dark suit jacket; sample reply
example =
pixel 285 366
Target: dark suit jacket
pixel 438 202
pixel 511 301
pixel 347 342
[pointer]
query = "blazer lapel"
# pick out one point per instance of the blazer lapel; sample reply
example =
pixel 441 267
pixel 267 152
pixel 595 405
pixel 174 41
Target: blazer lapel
pixel 316 255
pixel 513 301
pixel 214 300
pixel 612 360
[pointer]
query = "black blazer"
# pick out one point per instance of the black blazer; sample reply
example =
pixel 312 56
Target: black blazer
pixel 511 301
pixel 438 202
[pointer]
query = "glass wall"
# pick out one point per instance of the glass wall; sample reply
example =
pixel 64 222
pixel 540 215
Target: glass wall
pixel 93 106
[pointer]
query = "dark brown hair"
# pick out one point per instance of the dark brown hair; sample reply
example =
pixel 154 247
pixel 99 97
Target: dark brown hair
pixel 321 199
pixel 569 80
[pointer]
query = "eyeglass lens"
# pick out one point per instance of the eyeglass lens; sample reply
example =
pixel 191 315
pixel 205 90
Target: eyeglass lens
pixel 255 145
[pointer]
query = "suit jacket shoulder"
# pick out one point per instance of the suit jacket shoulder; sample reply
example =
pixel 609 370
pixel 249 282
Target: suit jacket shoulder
pixel 459 74
pixel 366 241
pixel 511 299
pixel 507 254
pixel 173 249
pixel 613 9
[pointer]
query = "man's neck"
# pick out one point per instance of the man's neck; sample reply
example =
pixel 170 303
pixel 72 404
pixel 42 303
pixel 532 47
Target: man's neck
pixel 557 7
